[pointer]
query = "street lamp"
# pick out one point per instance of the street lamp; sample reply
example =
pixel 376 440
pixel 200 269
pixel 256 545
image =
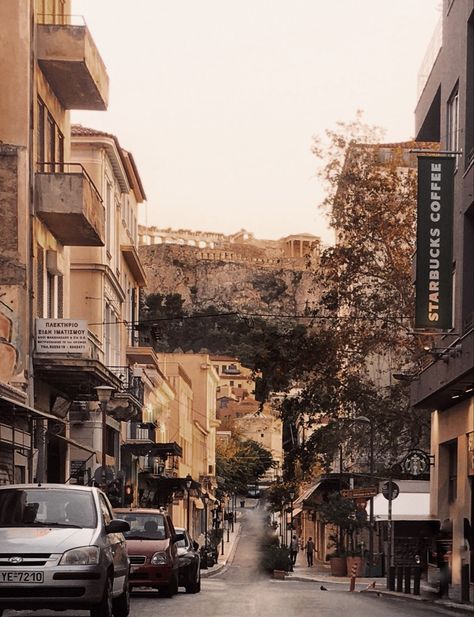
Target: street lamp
pixel 103 394
pixel 371 502
pixel 188 481
pixel 292 496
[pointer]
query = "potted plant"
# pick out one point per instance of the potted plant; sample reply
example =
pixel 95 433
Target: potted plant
pixel 339 512
pixel 337 558
pixel 275 559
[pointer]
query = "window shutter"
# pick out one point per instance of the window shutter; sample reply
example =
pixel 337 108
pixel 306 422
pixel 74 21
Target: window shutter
pixel 60 297
pixel 40 282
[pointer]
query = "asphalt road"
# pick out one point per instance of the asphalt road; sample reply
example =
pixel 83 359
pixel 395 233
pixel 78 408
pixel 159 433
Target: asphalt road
pixel 243 591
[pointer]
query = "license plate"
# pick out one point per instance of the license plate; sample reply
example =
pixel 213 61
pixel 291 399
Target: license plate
pixel 21 577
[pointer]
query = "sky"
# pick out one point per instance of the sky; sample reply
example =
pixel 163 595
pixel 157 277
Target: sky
pixel 219 100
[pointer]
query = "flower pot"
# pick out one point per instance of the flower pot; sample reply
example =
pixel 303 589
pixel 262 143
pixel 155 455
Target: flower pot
pixel 338 566
pixel 355 566
pixel 280 574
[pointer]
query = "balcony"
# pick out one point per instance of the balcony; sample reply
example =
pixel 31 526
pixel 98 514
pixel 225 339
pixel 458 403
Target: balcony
pixel 129 398
pixel 69 204
pixel 71 63
pixel 448 379
pixel 76 374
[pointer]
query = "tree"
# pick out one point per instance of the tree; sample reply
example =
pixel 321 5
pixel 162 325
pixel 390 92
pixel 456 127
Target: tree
pixel 240 462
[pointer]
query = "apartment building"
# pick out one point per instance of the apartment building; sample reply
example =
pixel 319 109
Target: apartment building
pixel 47 206
pixel 445 114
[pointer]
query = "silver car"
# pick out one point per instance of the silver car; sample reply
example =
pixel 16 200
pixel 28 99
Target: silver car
pixel 61 548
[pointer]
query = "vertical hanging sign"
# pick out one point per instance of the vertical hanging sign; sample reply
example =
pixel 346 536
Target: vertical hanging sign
pixel 434 243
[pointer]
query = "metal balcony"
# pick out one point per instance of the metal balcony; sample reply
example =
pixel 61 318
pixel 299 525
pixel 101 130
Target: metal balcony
pixel 69 204
pixel 72 65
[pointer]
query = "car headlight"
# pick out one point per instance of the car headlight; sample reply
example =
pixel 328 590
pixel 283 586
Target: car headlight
pixel 83 556
pixel 159 559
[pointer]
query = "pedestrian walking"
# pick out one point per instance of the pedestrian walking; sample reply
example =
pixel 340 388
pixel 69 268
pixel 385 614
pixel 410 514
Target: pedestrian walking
pixel 309 551
pixel 294 548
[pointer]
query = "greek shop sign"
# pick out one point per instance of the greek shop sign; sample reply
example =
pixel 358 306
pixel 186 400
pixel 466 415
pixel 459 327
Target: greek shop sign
pixel 434 243
pixel 61 335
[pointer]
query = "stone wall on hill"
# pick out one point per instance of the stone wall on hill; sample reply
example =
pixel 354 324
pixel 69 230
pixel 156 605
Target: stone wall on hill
pixel 246 285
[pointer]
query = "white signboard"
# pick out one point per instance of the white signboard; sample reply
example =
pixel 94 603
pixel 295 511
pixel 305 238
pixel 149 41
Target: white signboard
pixel 61 335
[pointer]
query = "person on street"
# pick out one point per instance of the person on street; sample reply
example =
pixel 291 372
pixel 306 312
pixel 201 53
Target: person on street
pixel 294 548
pixel 309 551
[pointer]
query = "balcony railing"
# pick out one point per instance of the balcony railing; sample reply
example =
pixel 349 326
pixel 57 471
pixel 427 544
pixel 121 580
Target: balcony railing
pixel 131 384
pixel 430 56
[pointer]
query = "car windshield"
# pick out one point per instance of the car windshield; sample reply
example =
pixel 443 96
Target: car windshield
pixel 46 507
pixel 145 526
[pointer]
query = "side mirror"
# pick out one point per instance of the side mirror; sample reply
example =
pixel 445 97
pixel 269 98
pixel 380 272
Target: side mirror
pixel 117 525
pixel 178 537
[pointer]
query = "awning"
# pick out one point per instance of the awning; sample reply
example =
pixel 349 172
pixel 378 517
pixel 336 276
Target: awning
pixel 22 408
pixel 406 507
pixel 76 444
pixel 198 504
pixel 147 448
pixel 300 502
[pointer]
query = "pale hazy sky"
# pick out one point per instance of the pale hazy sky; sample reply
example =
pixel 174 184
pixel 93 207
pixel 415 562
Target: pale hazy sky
pixel 218 100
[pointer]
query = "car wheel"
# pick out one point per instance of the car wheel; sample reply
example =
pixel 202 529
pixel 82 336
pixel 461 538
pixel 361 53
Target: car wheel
pixel 170 590
pixel 121 605
pixel 104 608
pixel 194 584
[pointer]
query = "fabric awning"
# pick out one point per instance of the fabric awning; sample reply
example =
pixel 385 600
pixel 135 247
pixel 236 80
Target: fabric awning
pixel 23 408
pixel 148 448
pixel 76 444
pixel 410 505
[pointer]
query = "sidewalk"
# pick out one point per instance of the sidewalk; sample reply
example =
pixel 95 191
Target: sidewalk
pixel 231 546
pixel 321 573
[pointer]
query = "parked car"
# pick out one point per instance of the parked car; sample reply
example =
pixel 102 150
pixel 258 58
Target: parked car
pixel 189 563
pixel 62 549
pixel 152 548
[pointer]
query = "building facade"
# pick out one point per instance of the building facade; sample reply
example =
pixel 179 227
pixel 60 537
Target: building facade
pixel 48 206
pixel 445 114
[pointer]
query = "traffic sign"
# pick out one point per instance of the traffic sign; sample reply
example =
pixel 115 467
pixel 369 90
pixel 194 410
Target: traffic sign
pixel 365 492
pixel 386 490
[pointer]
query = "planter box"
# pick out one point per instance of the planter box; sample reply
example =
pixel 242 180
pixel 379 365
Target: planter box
pixel 338 566
pixel 280 574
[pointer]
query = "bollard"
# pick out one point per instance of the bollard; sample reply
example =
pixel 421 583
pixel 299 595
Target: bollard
pixel 391 578
pixel 407 579
pixel 352 583
pixel 416 580
pixel 399 579
pixel 465 582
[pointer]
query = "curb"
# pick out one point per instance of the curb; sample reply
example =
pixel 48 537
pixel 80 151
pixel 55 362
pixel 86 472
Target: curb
pixel 455 606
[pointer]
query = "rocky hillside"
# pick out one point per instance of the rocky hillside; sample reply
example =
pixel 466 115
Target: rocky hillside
pixel 228 285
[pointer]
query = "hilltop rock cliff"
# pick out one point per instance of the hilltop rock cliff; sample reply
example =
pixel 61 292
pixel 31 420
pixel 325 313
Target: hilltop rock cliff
pixel 248 286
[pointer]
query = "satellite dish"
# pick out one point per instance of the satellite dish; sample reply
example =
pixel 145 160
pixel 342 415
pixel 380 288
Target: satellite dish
pixel 109 475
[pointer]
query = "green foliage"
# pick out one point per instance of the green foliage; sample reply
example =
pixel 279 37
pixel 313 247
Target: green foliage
pixel 240 463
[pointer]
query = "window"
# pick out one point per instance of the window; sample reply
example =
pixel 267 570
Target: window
pixel 109 216
pixel 452 136
pixel 106 513
pixel 39 281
